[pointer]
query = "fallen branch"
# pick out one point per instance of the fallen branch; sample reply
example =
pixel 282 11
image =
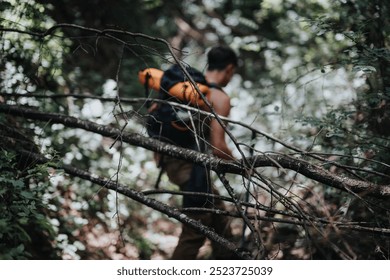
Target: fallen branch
pixel 305 168
pixel 141 198
pixel 253 130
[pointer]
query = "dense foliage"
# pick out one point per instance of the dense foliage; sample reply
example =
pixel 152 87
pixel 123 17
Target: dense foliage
pixel 313 83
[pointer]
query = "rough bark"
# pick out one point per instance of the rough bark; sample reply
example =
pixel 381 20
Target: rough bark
pixel 303 167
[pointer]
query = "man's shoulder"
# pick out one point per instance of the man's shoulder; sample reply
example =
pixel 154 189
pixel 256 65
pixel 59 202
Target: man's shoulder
pixel 219 100
pixel 218 93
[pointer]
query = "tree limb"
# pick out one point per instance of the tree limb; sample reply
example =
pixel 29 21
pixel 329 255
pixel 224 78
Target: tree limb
pixel 305 168
pixel 317 156
pixel 137 196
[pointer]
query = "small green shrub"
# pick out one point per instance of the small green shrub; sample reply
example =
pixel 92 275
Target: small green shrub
pixel 25 230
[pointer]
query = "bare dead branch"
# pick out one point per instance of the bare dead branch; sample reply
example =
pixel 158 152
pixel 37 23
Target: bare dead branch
pixel 256 206
pixel 317 156
pixel 305 168
pixel 320 223
pixel 139 197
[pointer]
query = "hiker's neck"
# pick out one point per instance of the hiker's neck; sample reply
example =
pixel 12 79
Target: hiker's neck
pixel 216 77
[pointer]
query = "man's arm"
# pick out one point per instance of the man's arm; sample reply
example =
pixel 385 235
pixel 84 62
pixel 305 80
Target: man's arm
pixel 221 104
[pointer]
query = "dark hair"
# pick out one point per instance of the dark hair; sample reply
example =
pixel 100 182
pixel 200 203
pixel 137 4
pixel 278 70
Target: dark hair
pixel 220 57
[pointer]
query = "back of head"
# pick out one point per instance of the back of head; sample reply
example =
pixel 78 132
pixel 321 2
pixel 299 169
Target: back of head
pixel 221 56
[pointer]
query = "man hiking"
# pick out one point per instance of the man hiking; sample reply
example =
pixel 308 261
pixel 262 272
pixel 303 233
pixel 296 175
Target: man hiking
pixel 222 63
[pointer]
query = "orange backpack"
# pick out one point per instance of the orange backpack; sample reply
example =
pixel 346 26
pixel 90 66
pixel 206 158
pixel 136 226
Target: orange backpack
pixel 174 83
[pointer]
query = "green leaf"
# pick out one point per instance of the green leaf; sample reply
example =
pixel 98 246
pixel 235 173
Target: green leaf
pixel 20 249
pixel 3 224
pixel 3 191
pixel 27 195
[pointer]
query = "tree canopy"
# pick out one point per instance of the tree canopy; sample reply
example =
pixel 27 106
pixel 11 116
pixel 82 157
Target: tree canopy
pixel 309 127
